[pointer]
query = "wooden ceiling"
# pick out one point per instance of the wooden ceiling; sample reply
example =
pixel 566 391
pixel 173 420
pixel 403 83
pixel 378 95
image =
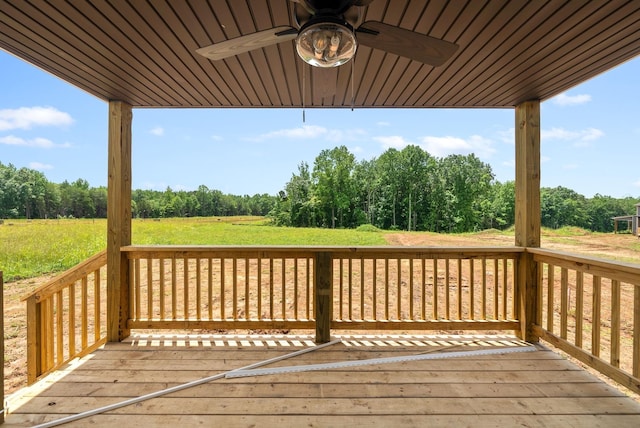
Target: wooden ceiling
pixel 143 51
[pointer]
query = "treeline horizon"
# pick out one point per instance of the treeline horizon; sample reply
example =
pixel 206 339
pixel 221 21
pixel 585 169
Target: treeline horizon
pixel 404 189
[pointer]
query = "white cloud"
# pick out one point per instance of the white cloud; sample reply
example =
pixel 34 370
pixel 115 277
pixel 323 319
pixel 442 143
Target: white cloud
pixel 43 143
pixel 306 132
pixel 28 117
pixel 310 132
pixel 508 136
pixel 38 166
pixel 564 99
pixel 581 138
pixel 637 183
pixel 444 146
pixel 383 123
pixel 393 142
pixel 216 138
pixel 158 131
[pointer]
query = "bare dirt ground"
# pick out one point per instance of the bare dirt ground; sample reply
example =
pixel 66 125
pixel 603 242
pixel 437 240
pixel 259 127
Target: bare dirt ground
pixel 621 247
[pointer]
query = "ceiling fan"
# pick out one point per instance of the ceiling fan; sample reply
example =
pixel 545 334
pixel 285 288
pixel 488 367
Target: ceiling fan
pixel 328 33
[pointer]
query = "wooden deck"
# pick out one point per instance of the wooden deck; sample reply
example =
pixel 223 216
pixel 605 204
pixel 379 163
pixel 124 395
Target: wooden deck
pixel 538 388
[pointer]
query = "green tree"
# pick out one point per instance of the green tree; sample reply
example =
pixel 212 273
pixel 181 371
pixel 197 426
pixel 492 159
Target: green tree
pixel 334 187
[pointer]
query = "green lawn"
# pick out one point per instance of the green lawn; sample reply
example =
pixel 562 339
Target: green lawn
pixel 32 248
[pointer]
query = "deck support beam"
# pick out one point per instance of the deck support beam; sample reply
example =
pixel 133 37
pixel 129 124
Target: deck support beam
pixel 527 211
pixel 118 219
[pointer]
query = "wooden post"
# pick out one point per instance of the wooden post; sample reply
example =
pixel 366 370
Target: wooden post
pixel 323 296
pixel 527 221
pixel 118 219
pixel 2 346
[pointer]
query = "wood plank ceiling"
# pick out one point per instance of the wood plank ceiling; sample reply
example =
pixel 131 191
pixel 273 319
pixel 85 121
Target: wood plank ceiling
pixel 143 51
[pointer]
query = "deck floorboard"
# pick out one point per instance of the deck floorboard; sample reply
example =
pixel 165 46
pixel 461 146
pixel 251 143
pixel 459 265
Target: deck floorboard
pixel 538 388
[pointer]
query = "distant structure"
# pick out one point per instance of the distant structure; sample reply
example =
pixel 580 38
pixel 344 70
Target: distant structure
pixel 632 220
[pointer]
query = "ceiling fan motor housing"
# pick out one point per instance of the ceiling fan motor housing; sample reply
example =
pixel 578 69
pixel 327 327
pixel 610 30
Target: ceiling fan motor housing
pixel 326 41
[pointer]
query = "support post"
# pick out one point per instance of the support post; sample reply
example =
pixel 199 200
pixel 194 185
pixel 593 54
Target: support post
pixel 118 219
pixel 2 346
pixel 323 273
pixel 527 210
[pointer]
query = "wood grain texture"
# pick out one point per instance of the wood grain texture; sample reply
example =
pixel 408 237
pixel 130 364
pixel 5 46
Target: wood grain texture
pixel 528 388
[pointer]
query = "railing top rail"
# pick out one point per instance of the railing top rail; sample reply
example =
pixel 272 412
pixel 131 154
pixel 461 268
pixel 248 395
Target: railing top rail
pixel 134 251
pixel 75 273
pixel 626 272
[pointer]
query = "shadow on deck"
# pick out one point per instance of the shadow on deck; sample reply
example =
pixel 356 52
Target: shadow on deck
pixel 491 381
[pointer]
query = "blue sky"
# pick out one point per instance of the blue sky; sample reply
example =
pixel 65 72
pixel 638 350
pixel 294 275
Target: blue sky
pixel 590 136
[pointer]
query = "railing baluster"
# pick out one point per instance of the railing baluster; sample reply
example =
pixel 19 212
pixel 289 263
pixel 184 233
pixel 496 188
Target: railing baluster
pixel 84 310
pixel 459 289
pixel 375 289
pixel 235 288
pixel 579 308
pixel 550 294
pixel 496 299
pixel 223 279
pixel 97 334
pixel 564 304
pixel 295 287
pixel 210 288
pixel 59 311
pixel 411 315
pixel 161 289
pixel 423 288
pixel 636 331
pixel 483 295
pixel 350 277
pixel 362 312
pixel 596 308
pixel 149 288
pixel 447 296
pixel 472 282
pixel 185 288
pixel 283 281
pixel 399 287
pixel 198 289
pixel 138 286
pixel 340 287
pixel 72 318
pixel 505 289
pixel 174 290
pixel 615 323
pixel 259 286
pixel 386 289
pixel 48 329
pixel 247 293
pixel 435 289
pixel 271 309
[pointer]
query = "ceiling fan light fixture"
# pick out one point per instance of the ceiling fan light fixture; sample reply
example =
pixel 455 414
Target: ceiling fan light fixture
pixel 326 43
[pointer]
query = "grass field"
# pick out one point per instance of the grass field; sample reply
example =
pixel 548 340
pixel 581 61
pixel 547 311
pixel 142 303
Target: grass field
pixel 38 247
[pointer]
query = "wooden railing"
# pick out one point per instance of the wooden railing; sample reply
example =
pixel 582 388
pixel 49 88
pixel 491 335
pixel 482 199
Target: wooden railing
pixel 586 307
pixel 590 309
pixel 366 288
pixel 66 318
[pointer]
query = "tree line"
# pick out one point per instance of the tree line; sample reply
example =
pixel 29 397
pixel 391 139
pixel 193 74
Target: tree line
pixel 409 189
pixel 404 189
pixel 26 193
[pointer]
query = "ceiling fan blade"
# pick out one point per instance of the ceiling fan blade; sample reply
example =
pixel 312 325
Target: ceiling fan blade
pixel 248 43
pixel 396 40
